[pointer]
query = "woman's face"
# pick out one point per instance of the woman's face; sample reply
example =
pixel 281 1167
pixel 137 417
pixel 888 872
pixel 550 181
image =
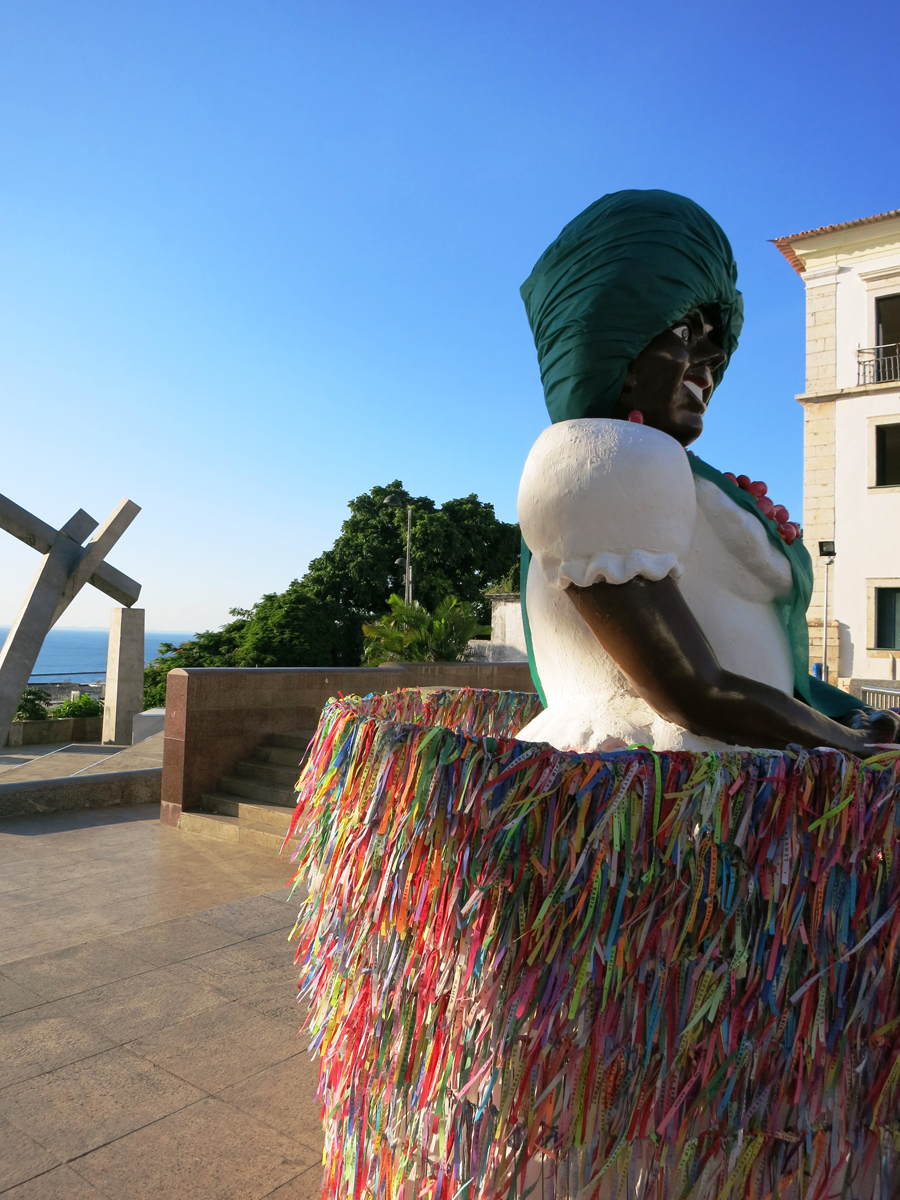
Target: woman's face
pixel 670 382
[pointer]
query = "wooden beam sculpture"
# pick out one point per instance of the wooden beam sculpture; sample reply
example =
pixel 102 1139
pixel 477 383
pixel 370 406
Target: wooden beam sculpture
pixel 66 567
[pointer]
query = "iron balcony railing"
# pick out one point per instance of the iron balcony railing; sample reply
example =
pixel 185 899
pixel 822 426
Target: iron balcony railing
pixel 878 364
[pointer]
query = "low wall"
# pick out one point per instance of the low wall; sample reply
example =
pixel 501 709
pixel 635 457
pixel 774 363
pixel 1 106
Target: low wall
pixel 80 791
pixel 60 729
pixel 217 716
pixel 883 693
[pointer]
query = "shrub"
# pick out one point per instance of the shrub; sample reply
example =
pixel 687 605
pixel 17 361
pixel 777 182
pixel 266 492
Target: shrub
pixel 84 706
pixel 410 633
pixel 33 705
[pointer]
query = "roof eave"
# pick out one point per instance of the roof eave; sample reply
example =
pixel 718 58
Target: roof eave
pixel 784 245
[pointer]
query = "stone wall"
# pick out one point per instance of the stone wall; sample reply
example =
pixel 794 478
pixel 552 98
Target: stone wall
pixel 59 729
pixel 217 716
pixel 834 645
pixel 80 791
pixel 821 341
pixel 818 490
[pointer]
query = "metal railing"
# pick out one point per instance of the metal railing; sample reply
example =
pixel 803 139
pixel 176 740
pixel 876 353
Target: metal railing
pixel 878 364
pixel 881 698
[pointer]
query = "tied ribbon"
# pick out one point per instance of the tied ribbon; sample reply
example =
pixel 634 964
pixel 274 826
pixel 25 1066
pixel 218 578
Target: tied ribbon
pixel 584 966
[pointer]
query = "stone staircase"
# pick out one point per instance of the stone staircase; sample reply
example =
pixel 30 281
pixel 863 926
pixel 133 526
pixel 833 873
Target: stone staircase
pixel 254 805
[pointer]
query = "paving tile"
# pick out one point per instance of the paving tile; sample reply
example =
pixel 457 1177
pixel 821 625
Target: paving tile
pixel 61 1184
pixel 20 1156
pixel 173 941
pixel 284 1008
pixel 13 997
pixel 200 1153
pixel 25 941
pixel 306 1186
pixel 42 1039
pixel 132 1008
pixel 75 1109
pixel 250 967
pixel 279 895
pixel 220 1046
pixel 29 946
pixel 284 1097
pixel 256 915
pixel 76 969
pixel 74 877
pixel 276 946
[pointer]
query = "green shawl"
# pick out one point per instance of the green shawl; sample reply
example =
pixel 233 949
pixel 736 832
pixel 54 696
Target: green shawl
pixel 623 271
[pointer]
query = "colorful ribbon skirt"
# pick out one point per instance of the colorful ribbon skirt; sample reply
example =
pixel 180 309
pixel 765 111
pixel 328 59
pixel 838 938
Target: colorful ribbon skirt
pixel 637 974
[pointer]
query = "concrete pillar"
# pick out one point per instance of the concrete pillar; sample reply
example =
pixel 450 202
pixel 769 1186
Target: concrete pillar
pixel 124 675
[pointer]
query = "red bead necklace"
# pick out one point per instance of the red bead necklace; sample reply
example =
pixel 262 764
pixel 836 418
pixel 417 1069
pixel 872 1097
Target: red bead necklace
pixel 788 529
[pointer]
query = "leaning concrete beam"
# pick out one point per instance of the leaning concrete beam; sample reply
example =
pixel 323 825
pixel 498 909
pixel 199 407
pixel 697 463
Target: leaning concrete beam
pixel 115 584
pixel 34 532
pixel 80 791
pixel 25 526
pixel 24 640
pixel 96 551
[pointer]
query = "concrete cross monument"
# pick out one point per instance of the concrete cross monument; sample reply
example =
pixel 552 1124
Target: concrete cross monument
pixel 66 567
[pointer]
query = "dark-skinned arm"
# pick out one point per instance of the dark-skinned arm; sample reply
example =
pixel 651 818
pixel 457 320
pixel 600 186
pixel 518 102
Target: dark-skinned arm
pixel 649 630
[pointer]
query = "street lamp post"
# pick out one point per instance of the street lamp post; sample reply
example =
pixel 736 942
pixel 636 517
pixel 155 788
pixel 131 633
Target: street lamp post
pixel 826 551
pixel 392 502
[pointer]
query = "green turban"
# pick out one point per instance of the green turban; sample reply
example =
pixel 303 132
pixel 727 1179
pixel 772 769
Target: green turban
pixel 623 271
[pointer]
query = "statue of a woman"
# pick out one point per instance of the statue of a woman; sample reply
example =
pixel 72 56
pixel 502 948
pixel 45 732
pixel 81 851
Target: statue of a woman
pixel 665 604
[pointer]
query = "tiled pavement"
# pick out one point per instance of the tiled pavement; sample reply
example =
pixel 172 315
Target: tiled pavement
pixel 158 1059
pixel 22 764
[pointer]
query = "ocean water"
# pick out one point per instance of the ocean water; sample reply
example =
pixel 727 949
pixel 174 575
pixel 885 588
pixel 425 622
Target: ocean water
pixel 80 654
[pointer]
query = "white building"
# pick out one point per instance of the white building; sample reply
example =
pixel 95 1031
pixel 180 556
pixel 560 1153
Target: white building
pixel 851 483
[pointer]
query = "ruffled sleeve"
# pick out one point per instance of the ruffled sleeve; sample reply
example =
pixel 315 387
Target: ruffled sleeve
pixel 607 500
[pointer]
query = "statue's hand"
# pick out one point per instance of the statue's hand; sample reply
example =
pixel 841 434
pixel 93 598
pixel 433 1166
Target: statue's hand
pixel 885 726
pixel 878 726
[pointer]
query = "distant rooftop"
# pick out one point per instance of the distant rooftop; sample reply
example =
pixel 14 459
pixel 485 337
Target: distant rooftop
pixel 784 243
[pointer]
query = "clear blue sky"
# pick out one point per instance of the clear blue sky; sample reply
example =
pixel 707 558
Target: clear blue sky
pixel 258 256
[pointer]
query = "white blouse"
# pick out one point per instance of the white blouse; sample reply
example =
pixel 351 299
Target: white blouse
pixel 611 500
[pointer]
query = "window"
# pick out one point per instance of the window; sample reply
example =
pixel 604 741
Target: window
pixel 881 363
pixel 887 618
pixel 887 320
pixel 887 456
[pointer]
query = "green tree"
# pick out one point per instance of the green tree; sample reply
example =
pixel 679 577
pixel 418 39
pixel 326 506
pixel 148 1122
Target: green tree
pixel 460 550
pixel 33 705
pixel 410 633
pixel 214 648
pixel 293 628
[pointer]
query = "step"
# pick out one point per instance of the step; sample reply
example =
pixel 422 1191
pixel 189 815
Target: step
pixel 252 789
pixel 290 741
pixel 279 756
pixel 280 777
pixel 231 829
pixel 275 815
